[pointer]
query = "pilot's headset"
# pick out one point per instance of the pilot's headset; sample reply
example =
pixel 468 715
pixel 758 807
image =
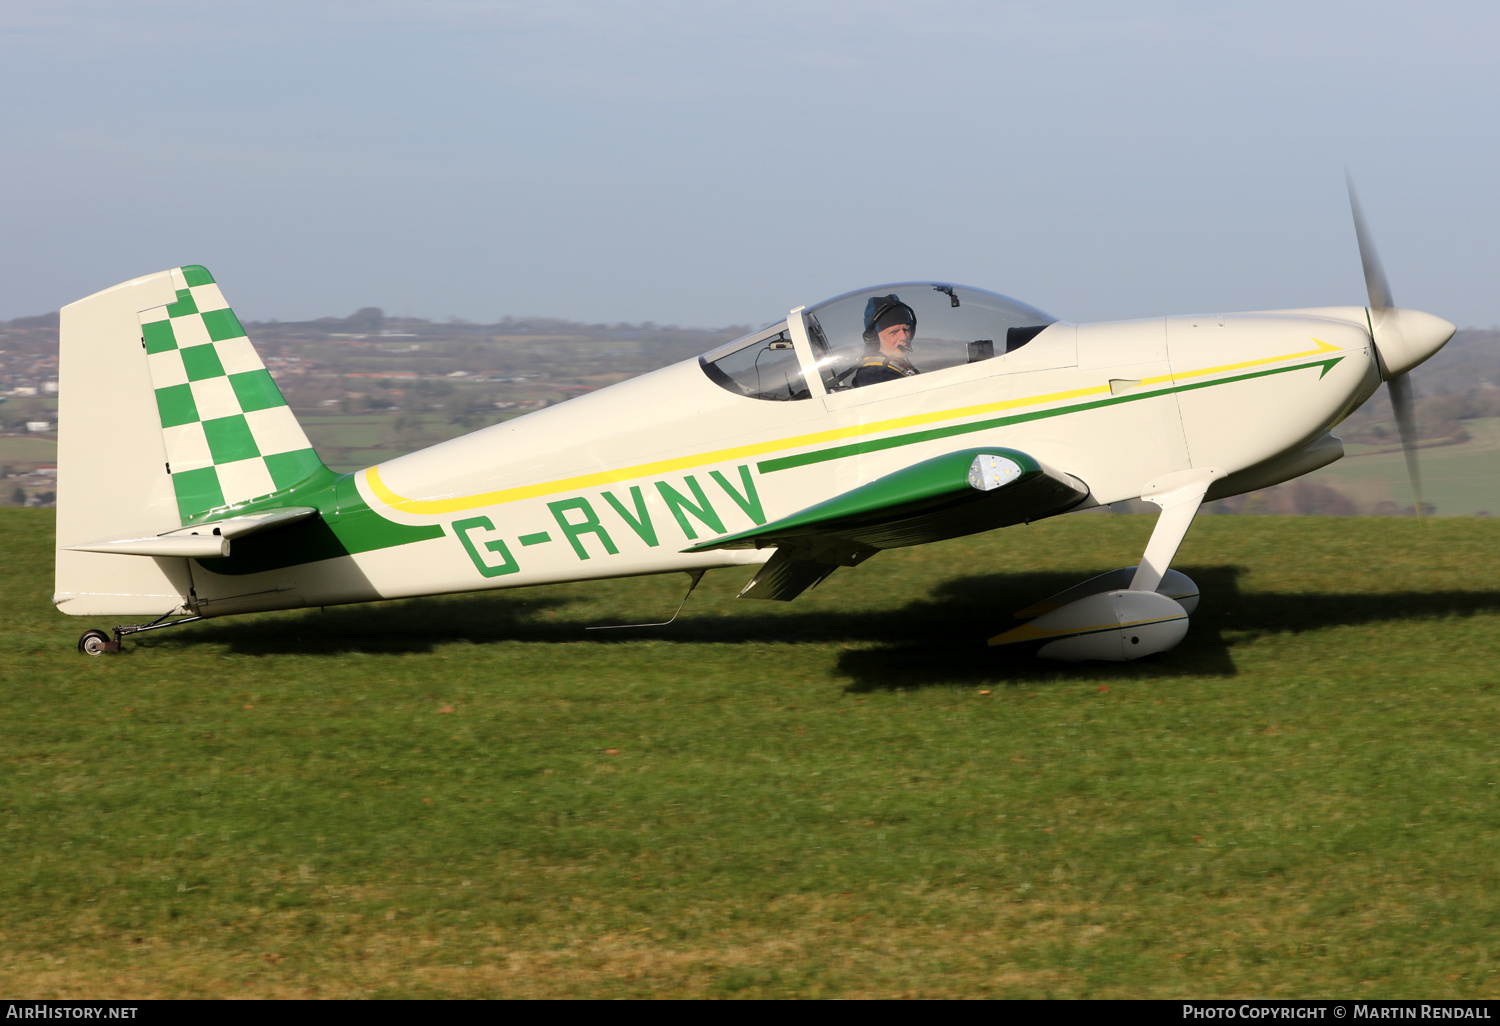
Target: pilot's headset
pixel 883 311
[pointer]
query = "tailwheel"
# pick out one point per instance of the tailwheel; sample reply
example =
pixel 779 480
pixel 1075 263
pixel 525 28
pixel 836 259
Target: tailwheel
pixel 96 643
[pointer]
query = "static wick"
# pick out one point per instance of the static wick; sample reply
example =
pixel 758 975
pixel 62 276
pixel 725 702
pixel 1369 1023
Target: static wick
pixel 694 575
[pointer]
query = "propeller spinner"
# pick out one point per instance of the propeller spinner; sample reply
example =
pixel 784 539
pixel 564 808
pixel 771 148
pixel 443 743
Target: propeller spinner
pixel 1402 340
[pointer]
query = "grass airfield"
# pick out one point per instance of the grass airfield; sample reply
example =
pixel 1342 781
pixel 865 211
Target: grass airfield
pixel 843 796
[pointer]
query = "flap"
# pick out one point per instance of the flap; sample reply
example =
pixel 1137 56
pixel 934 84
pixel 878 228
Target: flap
pixel 209 540
pixel 798 566
pixel 945 497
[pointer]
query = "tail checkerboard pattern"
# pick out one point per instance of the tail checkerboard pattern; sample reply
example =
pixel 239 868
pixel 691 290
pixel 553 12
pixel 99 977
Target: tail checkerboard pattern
pixel 229 433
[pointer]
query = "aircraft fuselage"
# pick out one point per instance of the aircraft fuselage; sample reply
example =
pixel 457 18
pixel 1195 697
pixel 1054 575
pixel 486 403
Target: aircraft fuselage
pixel 617 482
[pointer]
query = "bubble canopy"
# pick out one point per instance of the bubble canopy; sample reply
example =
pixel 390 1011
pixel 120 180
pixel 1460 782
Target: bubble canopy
pixel 955 325
pixel 952 305
pixel 948 318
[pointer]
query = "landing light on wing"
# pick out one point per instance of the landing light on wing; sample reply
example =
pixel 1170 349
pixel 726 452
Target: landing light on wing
pixel 989 472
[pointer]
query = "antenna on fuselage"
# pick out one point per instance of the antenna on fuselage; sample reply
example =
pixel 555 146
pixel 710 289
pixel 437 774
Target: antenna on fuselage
pixel 695 575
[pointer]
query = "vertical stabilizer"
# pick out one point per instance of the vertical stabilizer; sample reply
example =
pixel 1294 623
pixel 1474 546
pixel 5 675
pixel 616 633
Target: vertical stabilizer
pixel 112 480
pixel 166 415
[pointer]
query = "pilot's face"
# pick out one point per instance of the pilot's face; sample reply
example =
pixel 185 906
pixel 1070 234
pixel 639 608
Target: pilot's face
pixel 895 339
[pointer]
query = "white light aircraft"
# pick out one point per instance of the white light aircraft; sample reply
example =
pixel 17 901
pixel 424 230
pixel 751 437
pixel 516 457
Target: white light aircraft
pixel 884 417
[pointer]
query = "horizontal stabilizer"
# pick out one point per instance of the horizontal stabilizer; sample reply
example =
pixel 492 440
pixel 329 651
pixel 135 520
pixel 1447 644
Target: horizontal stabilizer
pixel 948 496
pixel 189 546
pixel 208 540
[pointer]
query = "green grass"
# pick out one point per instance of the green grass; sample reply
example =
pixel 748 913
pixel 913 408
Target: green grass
pixel 810 799
pixel 27 450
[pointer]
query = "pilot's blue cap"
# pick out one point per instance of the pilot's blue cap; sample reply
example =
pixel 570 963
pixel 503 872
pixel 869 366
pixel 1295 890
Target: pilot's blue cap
pixel 883 311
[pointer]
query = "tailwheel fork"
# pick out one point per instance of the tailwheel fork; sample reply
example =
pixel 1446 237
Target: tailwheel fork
pixel 95 642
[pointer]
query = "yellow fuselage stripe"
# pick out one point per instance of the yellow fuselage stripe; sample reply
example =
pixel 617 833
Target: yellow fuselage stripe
pixel 458 504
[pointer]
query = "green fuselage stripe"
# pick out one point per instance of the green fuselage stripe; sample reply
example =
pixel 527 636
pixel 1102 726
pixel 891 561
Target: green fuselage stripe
pixel 346 526
pixel 839 452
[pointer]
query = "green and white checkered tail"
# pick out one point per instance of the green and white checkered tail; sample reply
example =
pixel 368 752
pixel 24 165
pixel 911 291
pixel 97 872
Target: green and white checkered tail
pixel 229 433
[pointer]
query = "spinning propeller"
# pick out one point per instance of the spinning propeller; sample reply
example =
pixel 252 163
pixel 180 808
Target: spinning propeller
pixel 1397 352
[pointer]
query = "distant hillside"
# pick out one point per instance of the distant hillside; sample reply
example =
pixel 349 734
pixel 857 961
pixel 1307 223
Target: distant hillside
pixel 370 387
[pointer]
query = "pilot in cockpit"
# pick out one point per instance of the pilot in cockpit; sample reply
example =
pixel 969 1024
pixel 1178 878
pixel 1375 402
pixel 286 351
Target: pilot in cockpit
pixel 890 326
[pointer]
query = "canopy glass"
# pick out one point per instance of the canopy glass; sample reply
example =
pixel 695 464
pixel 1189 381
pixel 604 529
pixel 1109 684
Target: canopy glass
pixel 939 325
pixel 954 325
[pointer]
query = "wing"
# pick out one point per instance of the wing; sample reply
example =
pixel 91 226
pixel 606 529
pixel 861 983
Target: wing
pixel 948 496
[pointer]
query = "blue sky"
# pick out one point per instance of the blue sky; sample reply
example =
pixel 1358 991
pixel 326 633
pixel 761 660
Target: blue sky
pixel 710 163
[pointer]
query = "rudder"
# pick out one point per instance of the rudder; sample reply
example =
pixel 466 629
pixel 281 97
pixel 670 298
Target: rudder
pixel 228 432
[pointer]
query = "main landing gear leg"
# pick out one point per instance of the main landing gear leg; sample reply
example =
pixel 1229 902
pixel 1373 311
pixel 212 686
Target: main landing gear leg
pixel 96 643
pixel 1107 619
pixel 1179 496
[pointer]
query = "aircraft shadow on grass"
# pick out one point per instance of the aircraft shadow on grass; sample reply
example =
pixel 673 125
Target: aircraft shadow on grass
pixel 935 640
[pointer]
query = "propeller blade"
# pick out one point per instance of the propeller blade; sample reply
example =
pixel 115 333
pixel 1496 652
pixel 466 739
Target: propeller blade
pixel 1384 321
pixel 1375 282
pixel 1406 423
